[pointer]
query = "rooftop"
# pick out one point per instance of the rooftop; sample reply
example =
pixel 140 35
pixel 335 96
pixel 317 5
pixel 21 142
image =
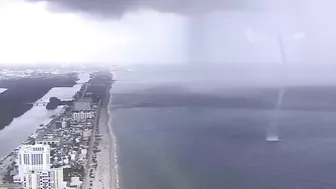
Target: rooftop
pixel 35 148
pixel 84 100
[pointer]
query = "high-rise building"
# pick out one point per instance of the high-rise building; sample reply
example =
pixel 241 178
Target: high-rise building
pixel 45 179
pixel 83 115
pixel 31 181
pixel 33 158
pixel 57 178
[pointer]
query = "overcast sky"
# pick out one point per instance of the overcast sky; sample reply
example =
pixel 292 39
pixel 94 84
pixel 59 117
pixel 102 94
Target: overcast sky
pixel 166 31
pixel 31 33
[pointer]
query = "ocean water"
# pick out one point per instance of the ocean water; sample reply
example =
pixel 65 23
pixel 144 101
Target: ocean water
pixel 183 136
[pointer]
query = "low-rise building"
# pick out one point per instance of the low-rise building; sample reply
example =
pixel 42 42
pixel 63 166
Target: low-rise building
pixel 86 133
pixel 75 182
pixel 48 139
pixel 61 124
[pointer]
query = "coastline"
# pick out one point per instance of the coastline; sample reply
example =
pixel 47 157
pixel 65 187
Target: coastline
pixel 107 167
pixel 113 139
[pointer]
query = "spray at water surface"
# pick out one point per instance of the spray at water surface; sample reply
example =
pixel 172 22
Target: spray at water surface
pixel 272 134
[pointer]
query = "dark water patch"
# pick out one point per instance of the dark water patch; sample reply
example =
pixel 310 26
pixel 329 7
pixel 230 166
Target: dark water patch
pixel 301 98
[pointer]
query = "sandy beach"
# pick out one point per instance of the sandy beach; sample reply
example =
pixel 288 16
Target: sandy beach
pixel 106 172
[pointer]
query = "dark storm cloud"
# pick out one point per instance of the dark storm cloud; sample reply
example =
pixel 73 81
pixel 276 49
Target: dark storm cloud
pixel 118 7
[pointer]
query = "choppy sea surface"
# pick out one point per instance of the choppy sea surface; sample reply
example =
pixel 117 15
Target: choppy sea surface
pixel 176 131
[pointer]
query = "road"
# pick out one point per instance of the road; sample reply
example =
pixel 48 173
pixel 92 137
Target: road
pixel 90 150
pixel 84 92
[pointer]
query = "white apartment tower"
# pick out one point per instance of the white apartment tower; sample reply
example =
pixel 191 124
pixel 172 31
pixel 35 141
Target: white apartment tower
pixel 31 181
pixel 33 158
pixel 83 115
pixel 51 179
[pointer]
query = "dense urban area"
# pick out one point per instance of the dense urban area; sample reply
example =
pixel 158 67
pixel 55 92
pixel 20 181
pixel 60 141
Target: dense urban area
pixel 63 153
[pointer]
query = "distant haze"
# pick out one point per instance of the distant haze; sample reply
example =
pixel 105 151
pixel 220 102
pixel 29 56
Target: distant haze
pixel 167 32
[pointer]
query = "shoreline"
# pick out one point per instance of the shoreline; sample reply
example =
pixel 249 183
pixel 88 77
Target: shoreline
pixel 106 172
pixel 113 139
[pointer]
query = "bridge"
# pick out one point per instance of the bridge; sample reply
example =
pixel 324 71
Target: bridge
pixel 39 103
pixel 44 103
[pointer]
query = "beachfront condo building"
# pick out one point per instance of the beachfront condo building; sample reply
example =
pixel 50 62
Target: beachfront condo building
pixel 33 158
pixel 46 179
